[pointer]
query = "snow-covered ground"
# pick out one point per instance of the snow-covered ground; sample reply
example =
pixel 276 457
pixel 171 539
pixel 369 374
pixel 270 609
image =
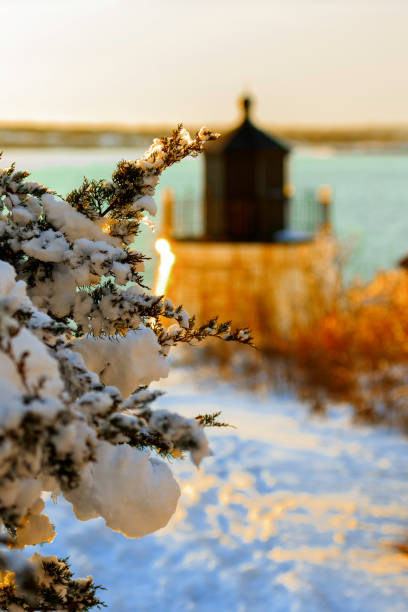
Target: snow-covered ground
pixel 292 513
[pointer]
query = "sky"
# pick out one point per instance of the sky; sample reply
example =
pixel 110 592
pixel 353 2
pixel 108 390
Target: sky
pixel 146 62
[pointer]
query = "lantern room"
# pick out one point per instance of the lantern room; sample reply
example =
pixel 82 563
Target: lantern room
pixel 245 178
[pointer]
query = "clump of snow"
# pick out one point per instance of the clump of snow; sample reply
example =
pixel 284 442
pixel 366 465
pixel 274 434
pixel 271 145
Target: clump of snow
pixel 35 528
pixel 27 363
pixel 181 431
pixel 134 493
pixel 98 258
pixel 22 494
pixel 183 318
pixel 70 222
pixel 49 246
pixel 34 205
pixel 125 362
pixel 41 369
pixel 12 292
pixel 146 202
pixel 22 215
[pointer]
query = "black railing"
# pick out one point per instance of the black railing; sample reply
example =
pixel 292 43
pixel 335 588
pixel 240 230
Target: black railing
pixel 303 214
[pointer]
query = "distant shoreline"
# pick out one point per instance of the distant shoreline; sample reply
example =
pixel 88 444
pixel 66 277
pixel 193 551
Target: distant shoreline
pixel 28 135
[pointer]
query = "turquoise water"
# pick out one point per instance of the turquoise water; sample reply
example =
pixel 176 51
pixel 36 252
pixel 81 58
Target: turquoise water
pixel 370 209
pixel 369 213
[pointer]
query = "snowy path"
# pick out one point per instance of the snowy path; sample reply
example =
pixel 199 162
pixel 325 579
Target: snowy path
pixel 291 514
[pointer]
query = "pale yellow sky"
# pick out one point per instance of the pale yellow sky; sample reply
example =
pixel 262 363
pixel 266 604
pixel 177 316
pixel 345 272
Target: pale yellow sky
pixel 165 61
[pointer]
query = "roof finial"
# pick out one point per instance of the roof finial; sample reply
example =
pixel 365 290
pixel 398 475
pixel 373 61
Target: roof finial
pixel 246 105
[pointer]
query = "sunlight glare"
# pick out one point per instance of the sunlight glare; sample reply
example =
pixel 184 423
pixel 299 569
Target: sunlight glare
pixel 166 261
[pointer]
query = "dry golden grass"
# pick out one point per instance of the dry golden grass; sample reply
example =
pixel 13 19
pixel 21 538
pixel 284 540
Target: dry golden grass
pixel 342 344
pixel 355 349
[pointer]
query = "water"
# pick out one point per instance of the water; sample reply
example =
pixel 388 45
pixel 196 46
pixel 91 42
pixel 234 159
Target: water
pixel 370 210
pixel 369 213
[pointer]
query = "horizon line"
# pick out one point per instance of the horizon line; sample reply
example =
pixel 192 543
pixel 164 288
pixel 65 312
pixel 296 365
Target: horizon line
pixel 149 128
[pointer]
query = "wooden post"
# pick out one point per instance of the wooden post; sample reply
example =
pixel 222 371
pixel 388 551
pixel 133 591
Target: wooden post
pixel 325 198
pixel 166 226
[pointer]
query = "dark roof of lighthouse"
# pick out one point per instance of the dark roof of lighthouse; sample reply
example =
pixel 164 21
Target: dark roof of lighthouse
pixel 247 137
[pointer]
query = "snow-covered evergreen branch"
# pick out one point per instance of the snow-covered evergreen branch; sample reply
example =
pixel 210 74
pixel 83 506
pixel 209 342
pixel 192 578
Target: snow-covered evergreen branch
pixel 81 338
pixel 44 583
